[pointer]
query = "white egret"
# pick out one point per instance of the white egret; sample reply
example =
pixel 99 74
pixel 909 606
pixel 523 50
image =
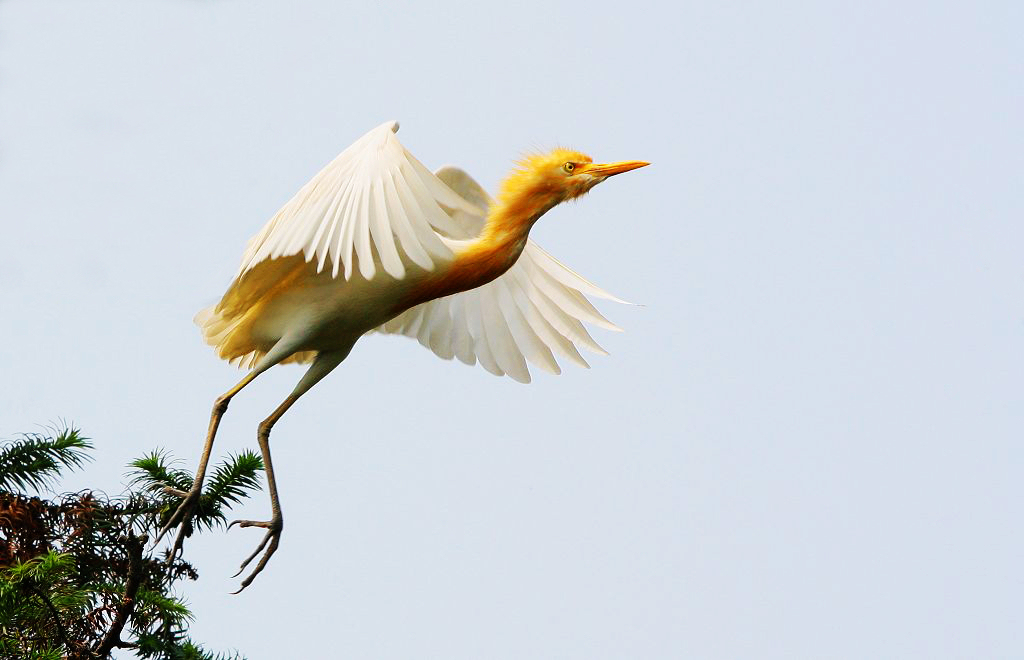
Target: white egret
pixel 377 243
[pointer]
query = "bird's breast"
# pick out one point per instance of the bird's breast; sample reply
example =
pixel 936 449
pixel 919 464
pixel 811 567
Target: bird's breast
pixel 332 311
pixel 472 267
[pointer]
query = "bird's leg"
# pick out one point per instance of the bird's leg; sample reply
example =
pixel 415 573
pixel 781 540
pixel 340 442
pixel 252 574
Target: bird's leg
pixel 276 522
pixel 183 514
pixel 324 363
pixel 190 498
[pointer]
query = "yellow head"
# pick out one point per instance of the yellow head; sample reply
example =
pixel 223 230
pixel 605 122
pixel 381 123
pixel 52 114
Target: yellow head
pixel 540 181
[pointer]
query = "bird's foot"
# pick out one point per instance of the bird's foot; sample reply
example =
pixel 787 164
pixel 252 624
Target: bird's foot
pixel 270 542
pixel 182 517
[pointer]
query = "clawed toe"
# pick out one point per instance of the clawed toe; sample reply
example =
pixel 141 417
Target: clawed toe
pixel 270 542
pixel 266 524
pixel 170 490
pixel 182 517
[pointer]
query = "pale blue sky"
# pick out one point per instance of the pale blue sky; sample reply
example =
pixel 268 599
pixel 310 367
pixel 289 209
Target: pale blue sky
pixel 808 441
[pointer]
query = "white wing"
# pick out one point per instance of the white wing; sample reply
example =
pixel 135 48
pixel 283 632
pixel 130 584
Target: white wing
pixel 533 312
pixel 372 199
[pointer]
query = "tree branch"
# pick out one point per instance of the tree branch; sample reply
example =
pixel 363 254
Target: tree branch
pixel 54 613
pixel 131 589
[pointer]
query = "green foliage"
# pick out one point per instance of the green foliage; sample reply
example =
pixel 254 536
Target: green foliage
pixel 233 479
pixel 35 460
pixel 77 575
pixel 153 472
pixel 36 596
pixel 228 484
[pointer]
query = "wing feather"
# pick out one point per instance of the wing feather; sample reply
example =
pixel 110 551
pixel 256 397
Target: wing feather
pixel 363 249
pixel 503 347
pixel 481 347
pixel 321 239
pixel 547 333
pixel 337 218
pixel 445 194
pixel 328 210
pixel 423 232
pixel 437 218
pixel 462 341
pixel 568 326
pixel 383 236
pixel 400 225
pixel 350 224
pixel 567 276
pixel 570 300
pixel 527 314
pixel 375 196
pixel 526 339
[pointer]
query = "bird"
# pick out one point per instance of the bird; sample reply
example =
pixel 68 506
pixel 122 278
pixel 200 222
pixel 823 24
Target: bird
pixel 377 243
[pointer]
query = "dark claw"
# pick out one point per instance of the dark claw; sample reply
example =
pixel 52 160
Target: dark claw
pixel 182 516
pixel 273 537
pixel 168 490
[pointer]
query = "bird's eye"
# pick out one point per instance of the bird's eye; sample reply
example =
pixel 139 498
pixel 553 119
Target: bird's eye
pixel 568 167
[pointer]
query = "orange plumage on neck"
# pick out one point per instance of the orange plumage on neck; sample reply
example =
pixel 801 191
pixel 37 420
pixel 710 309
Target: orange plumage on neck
pixel 538 184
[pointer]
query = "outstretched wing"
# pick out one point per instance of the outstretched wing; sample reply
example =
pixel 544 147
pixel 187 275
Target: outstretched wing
pixel 371 200
pixel 534 312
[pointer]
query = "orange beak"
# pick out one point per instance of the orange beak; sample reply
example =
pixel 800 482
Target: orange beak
pixel 610 169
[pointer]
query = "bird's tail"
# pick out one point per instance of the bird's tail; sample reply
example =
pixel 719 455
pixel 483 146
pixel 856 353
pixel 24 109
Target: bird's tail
pixel 222 332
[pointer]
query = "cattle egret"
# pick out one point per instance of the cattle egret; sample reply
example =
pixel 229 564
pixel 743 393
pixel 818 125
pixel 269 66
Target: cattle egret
pixel 376 243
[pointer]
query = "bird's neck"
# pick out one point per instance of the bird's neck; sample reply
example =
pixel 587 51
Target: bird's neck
pixel 487 257
pixel 511 218
pixel 500 243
